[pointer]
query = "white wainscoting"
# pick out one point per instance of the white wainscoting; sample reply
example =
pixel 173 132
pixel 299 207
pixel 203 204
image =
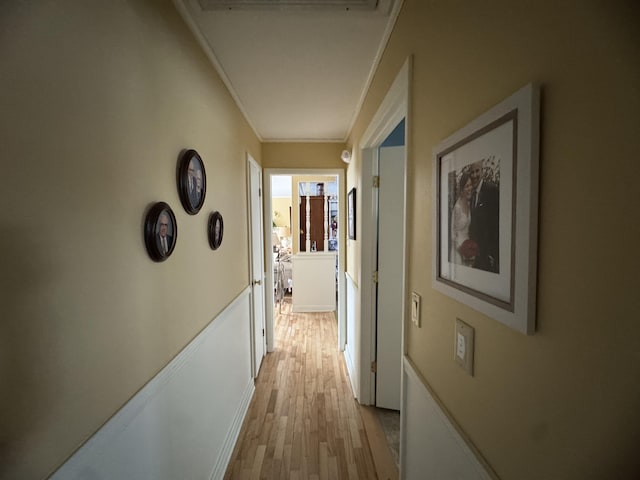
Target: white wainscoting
pixel 431 447
pixel 349 351
pixel 314 282
pixel 184 423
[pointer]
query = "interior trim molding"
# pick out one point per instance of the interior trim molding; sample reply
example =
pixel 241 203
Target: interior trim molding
pixel 349 354
pixel 188 18
pixel 430 442
pixel 393 18
pixel 232 435
pixel 393 108
pixel 186 419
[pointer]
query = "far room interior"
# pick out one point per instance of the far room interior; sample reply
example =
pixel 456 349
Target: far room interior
pixel 304 241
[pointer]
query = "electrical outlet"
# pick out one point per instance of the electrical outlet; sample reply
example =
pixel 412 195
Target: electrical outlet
pixel 464 346
pixel 415 309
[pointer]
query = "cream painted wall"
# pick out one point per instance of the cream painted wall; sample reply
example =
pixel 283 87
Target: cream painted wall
pixel 562 403
pixel 281 206
pixel 302 155
pixel 98 99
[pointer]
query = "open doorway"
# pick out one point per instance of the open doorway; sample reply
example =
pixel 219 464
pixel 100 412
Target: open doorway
pixel 383 294
pixel 390 267
pixel 282 231
pixel 305 259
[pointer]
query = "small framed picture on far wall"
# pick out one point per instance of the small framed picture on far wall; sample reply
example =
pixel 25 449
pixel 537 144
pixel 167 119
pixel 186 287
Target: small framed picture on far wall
pixel 351 214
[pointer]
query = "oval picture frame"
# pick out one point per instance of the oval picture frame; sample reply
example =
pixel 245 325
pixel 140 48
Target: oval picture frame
pixel 192 181
pixel 216 230
pixel 160 231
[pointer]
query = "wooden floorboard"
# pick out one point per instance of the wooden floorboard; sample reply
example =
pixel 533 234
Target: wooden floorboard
pixel 382 457
pixel 303 422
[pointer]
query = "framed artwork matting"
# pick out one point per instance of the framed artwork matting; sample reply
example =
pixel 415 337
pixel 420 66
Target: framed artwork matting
pixel 486 211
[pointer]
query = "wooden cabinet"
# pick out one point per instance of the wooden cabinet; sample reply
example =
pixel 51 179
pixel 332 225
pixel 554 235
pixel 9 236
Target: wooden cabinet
pixel 316 223
pixel 315 215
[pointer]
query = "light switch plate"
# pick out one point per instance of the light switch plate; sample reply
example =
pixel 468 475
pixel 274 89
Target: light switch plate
pixel 464 345
pixel 415 309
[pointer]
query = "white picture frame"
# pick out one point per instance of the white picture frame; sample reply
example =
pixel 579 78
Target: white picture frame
pixel 485 181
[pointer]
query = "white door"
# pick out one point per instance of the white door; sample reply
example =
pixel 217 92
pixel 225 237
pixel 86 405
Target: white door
pixel 390 272
pixel 257 264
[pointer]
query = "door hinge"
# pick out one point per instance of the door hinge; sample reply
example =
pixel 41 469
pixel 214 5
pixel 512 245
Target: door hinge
pixel 374 367
pixel 376 181
pixel 374 277
pixel 263 332
pixel 259 191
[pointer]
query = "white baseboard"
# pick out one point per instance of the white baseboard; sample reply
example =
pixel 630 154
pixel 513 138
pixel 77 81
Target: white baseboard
pixel 349 353
pixel 351 370
pixel 185 421
pixel 232 436
pixel 431 447
pixel 313 308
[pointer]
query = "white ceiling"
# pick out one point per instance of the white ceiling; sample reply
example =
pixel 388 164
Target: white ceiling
pixel 298 73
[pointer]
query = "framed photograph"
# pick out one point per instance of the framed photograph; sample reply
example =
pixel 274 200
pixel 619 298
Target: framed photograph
pixel 216 230
pixel 192 181
pixel 160 231
pixel 351 214
pixel 486 211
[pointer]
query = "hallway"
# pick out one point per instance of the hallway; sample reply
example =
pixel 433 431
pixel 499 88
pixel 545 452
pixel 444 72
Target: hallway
pixel 303 421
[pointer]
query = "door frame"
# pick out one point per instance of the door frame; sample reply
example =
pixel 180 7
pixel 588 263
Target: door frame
pixel 392 291
pixel 269 286
pixel 391 111
pixel 255 336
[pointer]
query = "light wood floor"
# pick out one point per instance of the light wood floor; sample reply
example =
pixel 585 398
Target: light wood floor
pixel 303 422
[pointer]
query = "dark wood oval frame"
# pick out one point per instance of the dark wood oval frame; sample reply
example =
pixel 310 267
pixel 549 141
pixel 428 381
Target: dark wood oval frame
pixel 191 205
pixel 150 231
pixel 214 242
